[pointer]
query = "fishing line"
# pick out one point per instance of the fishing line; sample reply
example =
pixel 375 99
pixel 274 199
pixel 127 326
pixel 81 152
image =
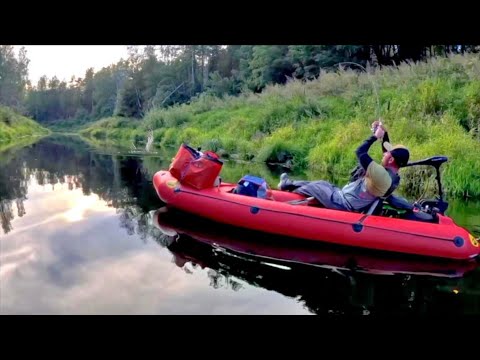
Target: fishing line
pixel 372 82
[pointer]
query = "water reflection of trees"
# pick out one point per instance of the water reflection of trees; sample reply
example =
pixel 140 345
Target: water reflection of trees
pixel 120 180
pixel 135 221
pixel 330 291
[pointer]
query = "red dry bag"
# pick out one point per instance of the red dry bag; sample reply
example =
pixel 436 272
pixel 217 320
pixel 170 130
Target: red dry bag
pixel 194 168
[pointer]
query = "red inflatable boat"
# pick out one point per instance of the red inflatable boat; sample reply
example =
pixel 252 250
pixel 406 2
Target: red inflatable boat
pixel 443 239
pixel 286 213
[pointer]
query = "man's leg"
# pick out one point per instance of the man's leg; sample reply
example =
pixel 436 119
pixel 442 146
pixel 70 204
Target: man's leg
pixel 286 184
pixel 322 191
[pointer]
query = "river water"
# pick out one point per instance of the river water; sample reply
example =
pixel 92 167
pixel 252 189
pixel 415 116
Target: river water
pixel 83 232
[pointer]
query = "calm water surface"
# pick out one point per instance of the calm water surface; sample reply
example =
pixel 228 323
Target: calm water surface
pixel 83 232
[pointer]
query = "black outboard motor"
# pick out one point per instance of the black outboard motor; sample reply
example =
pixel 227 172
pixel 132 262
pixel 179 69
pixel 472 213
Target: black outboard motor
pixel 438 205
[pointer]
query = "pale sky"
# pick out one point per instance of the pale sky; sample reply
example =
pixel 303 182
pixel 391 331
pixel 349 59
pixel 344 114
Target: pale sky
pixel 67 60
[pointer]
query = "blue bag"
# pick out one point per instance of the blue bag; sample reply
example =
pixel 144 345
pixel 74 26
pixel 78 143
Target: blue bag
pixel 250 185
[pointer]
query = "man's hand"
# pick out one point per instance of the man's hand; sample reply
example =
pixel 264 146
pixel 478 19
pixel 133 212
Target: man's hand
pixel 380 132
pixel 376 125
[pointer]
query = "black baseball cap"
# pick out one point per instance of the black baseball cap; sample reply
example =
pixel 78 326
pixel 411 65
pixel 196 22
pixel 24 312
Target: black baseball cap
pixel 399 152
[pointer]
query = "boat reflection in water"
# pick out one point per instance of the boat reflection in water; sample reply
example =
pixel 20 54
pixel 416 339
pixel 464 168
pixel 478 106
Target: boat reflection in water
pixel 326 279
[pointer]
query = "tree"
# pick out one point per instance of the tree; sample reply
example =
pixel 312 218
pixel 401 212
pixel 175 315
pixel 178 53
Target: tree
pixel 13 76
pixel 87 93
pixel 269 64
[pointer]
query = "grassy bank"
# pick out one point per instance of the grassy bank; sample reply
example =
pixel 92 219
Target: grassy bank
pixel 433 108
pixel 123 131
pixel 16 128
pixel 69 126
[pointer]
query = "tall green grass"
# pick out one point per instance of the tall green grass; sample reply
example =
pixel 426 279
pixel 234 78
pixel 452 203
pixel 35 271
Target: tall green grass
pixel 15 127
pixel 433 108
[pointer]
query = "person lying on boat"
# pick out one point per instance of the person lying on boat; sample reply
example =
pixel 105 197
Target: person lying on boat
pixel 369 182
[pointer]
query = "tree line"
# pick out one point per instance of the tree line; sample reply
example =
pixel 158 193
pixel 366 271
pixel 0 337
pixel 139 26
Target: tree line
pixel 161 76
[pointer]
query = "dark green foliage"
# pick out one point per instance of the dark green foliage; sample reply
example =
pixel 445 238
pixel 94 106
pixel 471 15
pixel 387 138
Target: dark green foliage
pixel 162 76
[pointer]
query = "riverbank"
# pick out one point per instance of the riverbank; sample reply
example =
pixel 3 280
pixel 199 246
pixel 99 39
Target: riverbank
pixel 15 128
pixel 315 127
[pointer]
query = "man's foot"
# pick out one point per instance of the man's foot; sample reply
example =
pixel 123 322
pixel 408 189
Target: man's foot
pixel 284 183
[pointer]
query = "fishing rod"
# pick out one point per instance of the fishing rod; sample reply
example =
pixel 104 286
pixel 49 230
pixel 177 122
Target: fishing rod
pixel 372 82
